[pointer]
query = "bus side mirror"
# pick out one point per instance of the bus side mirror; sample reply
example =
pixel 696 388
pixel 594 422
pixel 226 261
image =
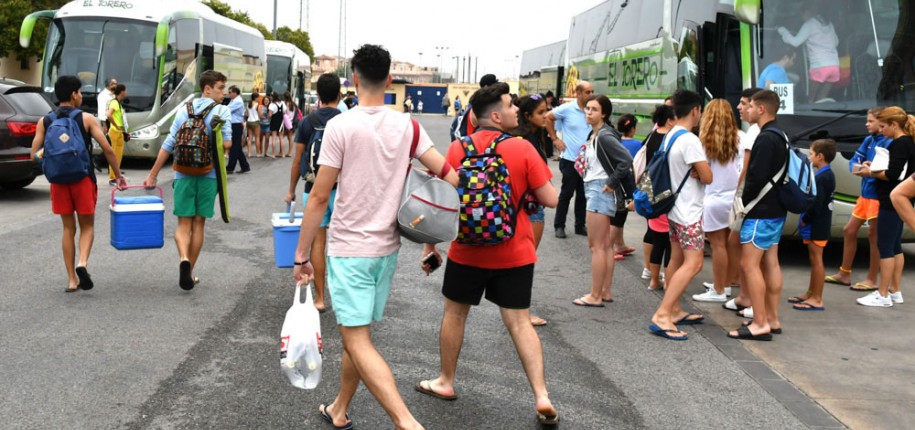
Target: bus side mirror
pixel 28 25
pixel 747 11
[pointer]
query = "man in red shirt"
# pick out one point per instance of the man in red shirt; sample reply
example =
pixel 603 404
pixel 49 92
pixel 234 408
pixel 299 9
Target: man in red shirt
pixel 504 273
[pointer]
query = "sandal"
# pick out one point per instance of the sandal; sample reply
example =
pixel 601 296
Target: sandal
pixel 429 392
pixel 744 333
pixel 860 286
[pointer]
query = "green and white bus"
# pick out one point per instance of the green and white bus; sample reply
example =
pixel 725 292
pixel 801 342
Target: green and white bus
pixel 288 69
pixel 639 52
pixel 542 69
pixel 156 48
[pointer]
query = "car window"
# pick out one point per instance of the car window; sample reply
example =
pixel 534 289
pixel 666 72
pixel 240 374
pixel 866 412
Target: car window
pixel 29 103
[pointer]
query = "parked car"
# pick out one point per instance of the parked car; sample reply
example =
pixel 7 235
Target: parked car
pixel 21 107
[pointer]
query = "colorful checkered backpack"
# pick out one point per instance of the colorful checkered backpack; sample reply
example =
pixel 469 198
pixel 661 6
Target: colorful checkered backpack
pixel 487 212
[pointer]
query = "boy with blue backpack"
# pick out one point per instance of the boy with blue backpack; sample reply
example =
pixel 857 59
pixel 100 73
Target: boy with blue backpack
pixel 63 146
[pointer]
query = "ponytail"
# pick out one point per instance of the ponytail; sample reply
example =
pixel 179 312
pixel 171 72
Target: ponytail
pixel 909 126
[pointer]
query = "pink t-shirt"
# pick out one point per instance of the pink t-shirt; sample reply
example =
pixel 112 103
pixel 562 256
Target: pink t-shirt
pixel 370 146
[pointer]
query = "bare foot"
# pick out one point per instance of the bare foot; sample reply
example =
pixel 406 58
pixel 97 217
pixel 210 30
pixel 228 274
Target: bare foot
pixel 537 321
pixel 435 388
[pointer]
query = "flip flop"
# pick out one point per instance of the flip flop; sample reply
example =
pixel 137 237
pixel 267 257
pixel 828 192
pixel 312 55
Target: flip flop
pixel 804 306
pixel 665 333
pixel 833 280
pixel 428 391
pixel 686 321
pixel 627 251
pixel 580 302
pixel 606 300
pixel 71 290
pixel 323 411
pixel 773 330
pixel 797 299
pixel 744 333
pixel 860 286
pixel 185 281
pixel 619 257
pixel 548 420
pixel 85 281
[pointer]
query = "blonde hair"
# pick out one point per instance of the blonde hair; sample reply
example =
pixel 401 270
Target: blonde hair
pixel 897 115
pixel 718 131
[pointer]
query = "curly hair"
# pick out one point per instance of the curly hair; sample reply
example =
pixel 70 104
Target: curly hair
pixel 718 131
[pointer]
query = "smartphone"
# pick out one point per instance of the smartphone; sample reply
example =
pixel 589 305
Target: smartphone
pixel 431 261
pixel 856 167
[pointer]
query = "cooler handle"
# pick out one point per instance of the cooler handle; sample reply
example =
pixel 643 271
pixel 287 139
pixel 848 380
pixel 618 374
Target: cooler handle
pixel 289 210
pixel 114 190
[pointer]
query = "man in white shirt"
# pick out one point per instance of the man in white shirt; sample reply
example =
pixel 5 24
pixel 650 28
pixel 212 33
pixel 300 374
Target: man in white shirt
pixel 104 97
pixel 686 157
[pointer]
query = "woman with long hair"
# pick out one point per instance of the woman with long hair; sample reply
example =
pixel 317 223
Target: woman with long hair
pixel 288 116
pixel 264 116
pixel 276 125
pixel 254 127
pixel 607 162
pixel 897 125
pixel 720 138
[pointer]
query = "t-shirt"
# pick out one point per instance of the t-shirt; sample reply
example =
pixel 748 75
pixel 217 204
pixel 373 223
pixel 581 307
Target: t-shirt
pixel 371 147
pixel 686 151
pixel 864 153
pixel 305 129
pixel 902 162
pixel 819 215
pixel 632 145
pixel 118 114
pixel 749 138
pixel 766 160
pixel 571 122
pixel 104 97
pixel 774 73
pixel 821 41
pixel 237 110
pixel 652 143
pixel 527 172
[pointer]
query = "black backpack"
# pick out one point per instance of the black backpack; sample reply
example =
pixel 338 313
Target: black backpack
pixel 308 165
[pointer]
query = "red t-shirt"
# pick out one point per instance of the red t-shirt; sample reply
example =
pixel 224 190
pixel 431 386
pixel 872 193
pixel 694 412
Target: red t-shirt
pixel 528 172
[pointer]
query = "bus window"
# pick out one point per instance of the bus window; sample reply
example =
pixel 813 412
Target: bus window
pixel 688 65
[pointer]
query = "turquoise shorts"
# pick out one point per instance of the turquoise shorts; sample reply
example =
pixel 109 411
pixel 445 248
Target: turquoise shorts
pixel 330 207
pixel 359 287
pixel 762 233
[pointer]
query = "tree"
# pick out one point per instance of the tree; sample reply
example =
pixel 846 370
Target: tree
pixel 11 15
pixel 299 38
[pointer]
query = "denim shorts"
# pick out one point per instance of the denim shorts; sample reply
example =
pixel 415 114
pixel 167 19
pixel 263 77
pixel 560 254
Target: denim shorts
pixel 359 287
pixel 599 201
pixel 537 216
pixel 762 233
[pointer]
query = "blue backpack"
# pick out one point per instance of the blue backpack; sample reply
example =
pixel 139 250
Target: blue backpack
pixel 308 165
pixel 797 188
pixel 654 195
pixel 66 158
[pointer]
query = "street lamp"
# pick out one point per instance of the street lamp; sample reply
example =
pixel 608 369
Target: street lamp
pixel 420 65
pixel 440 52
pixel 457 62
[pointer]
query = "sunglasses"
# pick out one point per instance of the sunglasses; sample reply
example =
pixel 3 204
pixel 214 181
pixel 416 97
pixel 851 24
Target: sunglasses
pixel 536 97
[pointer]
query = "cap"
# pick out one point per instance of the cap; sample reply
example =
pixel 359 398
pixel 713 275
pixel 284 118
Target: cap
pixel 487 80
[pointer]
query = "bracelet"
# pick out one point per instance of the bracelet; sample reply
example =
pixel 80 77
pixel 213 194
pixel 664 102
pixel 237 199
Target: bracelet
pixel 302 263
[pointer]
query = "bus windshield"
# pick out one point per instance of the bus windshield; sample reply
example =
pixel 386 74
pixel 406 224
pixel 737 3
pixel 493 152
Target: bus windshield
pixel 95 49
pixel 278 77
pixel 840 56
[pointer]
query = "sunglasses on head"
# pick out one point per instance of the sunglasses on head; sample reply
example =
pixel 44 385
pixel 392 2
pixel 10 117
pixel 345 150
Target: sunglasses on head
pixel 536 97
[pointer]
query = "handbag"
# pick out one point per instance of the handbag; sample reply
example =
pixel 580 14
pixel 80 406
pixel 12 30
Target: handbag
pixel 429 206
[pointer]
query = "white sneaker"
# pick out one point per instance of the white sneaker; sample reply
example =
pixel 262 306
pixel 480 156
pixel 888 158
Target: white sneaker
pixel 710 286
pixel 710 296
pixel 876 300
pixel 746 313
pixel 646 274
pixel 896 297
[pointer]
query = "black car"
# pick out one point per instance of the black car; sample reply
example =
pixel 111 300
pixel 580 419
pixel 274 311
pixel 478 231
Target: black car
pixel 21 107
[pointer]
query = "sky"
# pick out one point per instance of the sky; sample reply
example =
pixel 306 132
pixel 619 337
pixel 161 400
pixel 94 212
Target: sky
pixel 495 31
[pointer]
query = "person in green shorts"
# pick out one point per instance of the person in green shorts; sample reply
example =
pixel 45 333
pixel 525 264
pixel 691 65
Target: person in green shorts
pixel 194 195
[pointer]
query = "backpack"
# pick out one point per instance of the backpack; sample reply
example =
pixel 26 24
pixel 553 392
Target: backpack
pixel 308 165
pixel 65 159
pixel 487 212
pixel 192 153
pixel 654 195
pixel 459 126
pixel 797 188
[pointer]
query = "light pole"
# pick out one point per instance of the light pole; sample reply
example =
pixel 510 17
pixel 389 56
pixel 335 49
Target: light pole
pixel 440 51
pixel 457 61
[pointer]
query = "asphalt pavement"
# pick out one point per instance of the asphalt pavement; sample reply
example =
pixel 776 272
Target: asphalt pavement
pixel 137 352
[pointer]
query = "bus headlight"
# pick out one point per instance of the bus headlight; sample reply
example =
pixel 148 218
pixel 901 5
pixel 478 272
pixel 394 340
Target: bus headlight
pixel 149 132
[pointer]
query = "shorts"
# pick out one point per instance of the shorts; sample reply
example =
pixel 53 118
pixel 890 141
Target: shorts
pixel 359 287
pixel 619 220
pixel 80 197
pixel 660 250
pixel 762 233
pixel 194 196
pixel 824 74
pixel 252 124
pixel 889 234
pixel 599 201
pixel 690 237
pixel 866 208
pixel 538 216
pixel 330 207
pixel 265 128
pixel 506 288
pixel 805 232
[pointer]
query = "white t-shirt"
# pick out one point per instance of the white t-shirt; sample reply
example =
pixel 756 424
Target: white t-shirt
pixel 370 146
pixel 104 97
pixel 595 170
pixel 686 151
pixel 747 139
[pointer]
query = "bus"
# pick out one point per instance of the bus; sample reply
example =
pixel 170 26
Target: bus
pixel 639 52
pixel 543 69
pixel 288 69
pixel 157 49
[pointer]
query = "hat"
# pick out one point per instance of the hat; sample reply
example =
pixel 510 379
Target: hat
pixel 487 80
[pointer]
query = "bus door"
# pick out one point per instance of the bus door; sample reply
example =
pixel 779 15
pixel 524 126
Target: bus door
pixel 720 47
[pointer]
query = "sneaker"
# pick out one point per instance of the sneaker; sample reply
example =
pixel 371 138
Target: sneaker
pixel 560 233
pixel 711 287
pixel 710 296
pixel 896 297
pixel 876 300
pixel 646 274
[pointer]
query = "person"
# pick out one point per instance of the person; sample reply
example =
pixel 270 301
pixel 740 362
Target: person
pixel 253 126
pixel 763 225
pixel 117 127
pixel 446 103
pixel 503 273
pixel 866 208
pixel 78 197
pixel 902 197
pixel 776 72
pixel 626 126
pixel 458 111
pixel 237 113
pixel 194 195
pixel 569 119
pixel 532 127
pixel 275 110
pixel 363 242
pixel 264 116
pixel 342 106
pixel 815 224
pixel 289 111
pixel 607 164
pixel 721 141
pixel 328 92
pixel 820 39
pixel 656 242
pixel 897 125
pixel 685 158
pixel 102 100
pixel 407 105
pixel 419 106
pixel 551 101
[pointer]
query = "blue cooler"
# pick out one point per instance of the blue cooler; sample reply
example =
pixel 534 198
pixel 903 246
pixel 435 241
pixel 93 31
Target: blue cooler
pixel 285 237
pixel 137 222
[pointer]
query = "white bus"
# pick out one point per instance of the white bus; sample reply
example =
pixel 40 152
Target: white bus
pixel 288 69
pixel 156 48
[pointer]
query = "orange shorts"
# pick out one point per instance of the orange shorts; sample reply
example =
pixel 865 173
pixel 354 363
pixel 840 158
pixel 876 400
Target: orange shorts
pixel 820 243
pixel 866 208
pixel 79 197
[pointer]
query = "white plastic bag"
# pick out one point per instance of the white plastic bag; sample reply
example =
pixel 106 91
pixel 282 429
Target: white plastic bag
pixel 300 342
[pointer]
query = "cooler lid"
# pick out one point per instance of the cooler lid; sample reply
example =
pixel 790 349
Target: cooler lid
pixel 282 219
pixel 136 200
